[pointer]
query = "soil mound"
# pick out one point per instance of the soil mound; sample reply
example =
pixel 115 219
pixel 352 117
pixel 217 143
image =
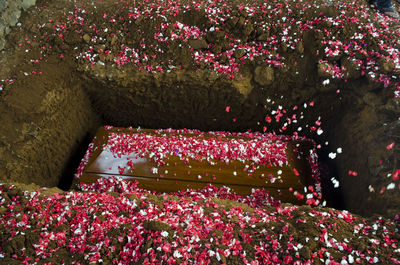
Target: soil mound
pixel 117 222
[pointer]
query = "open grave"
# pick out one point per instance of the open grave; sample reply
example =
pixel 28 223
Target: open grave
pixel 86 65
pixel 57 108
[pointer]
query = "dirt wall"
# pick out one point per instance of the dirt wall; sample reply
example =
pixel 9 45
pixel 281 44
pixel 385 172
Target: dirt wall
pixel 44 122
pixel 366 135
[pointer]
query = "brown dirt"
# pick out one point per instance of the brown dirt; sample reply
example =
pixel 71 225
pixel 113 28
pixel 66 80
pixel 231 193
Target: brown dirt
pixel 262 238
pixel 46 116
pixel 50 108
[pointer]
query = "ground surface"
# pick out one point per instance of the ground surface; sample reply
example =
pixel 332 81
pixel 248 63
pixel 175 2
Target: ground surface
pixel 205 227
pixel 325 70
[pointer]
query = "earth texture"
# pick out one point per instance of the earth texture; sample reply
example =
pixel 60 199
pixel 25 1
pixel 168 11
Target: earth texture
pixel 326 70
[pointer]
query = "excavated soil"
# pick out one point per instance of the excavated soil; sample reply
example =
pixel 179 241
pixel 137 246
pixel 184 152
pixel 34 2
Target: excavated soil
pixel 324 70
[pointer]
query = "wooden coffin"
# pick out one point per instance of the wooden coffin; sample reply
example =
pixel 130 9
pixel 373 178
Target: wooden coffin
pixel 171 160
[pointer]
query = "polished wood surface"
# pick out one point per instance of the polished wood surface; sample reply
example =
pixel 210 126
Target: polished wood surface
pixel 176 175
